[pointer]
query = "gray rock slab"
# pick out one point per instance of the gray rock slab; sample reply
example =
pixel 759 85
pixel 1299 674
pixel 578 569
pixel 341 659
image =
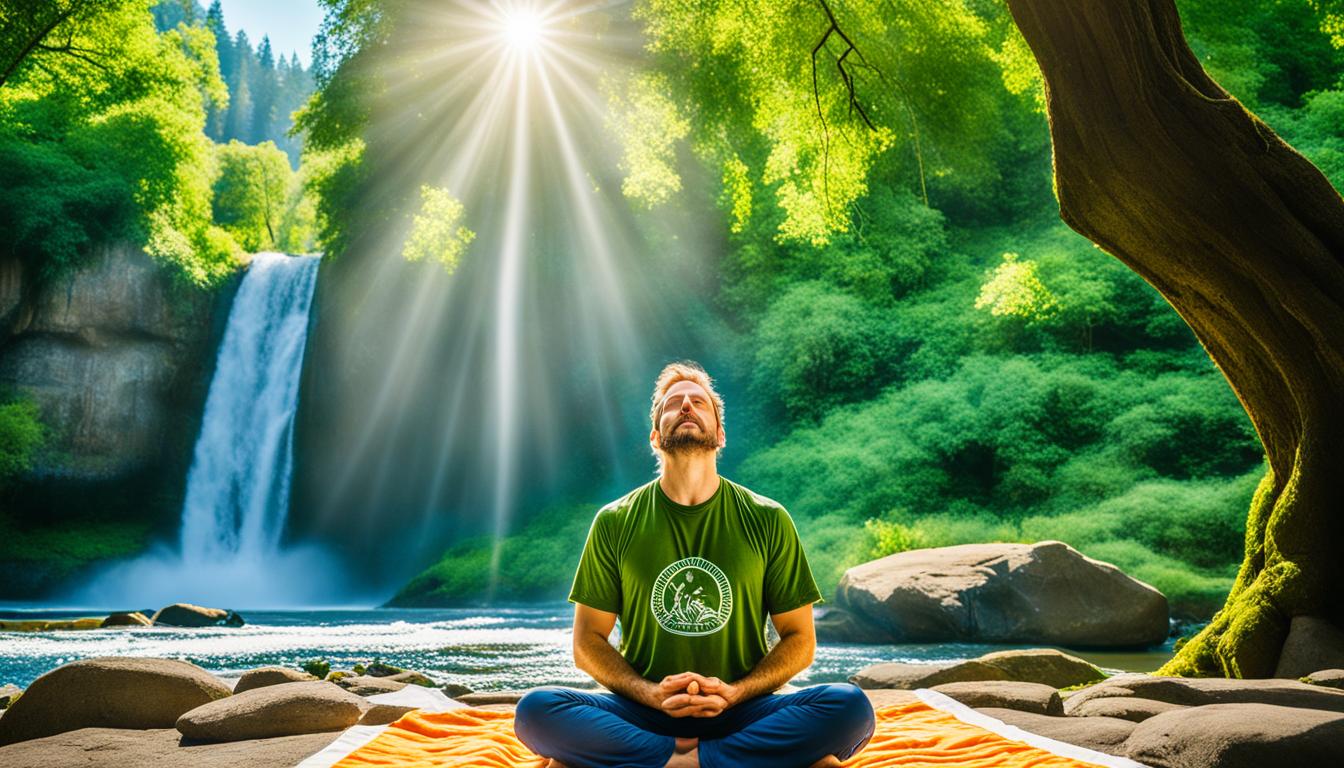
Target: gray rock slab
pixel 275 710
pixel 1129 708
pixel 1238 736
pixel 110 692
pixel 1005 694
pixel 1104 734
pixel 115 748
pixel 1212 690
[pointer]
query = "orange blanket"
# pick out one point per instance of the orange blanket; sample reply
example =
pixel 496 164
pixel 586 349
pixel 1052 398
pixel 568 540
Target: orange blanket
pixel 907 735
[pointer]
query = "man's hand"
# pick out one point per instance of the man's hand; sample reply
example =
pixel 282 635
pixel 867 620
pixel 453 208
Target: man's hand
pixel 690 694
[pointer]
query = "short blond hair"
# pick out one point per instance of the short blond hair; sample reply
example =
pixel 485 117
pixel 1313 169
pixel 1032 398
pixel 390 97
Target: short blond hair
pixel 683 370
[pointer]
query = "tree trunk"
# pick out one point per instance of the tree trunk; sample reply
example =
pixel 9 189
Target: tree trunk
pixel 1163 169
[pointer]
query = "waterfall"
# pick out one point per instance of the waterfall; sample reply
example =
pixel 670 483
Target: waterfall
pixel 238 487
pixel 230 552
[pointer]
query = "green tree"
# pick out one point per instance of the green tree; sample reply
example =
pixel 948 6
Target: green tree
pixel 114 111
pixel 251 193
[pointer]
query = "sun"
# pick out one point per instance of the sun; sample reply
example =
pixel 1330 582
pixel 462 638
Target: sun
pixel 522 29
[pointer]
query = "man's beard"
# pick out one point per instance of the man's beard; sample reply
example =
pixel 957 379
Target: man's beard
pixel 687 440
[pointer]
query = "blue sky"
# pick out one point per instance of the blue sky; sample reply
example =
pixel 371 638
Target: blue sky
pixel 291 24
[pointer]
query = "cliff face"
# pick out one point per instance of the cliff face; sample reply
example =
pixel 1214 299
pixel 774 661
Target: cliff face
pixel 118 355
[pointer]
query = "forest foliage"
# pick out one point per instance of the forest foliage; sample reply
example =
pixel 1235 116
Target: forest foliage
pixel 925 355
pixel 104 110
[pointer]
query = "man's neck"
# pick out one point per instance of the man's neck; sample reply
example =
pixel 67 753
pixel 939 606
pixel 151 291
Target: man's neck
pixel 689 479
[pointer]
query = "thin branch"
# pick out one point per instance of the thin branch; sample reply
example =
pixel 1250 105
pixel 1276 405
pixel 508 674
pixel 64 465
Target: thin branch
pixel 37 40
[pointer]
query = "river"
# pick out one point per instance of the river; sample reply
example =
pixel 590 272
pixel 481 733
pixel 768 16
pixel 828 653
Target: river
pixel 486 649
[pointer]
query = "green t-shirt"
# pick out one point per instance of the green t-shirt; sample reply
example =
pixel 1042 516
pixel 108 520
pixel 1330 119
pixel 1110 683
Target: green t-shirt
pixel 692 585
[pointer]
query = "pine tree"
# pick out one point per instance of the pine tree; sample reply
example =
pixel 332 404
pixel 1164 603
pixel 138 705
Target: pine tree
pixel 264 95
pixel 214 21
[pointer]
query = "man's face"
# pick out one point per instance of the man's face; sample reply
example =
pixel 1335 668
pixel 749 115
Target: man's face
pixel 687 421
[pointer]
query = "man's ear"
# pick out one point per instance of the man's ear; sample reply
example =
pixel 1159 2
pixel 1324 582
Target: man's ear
pixel 653 438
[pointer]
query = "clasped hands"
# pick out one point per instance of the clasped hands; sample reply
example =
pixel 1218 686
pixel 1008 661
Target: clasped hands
pixel 691 694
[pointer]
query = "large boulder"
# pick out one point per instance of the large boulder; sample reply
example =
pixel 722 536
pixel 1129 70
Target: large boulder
pixel 188 615
pixel 109 693
pixel 1239 736
pixel 1104 734
pixel 1046 592
pixel 1005 694
pixel 264 676
pixel 1194 692
pixel 1035 665
pixel 1312 644
pixel 276 710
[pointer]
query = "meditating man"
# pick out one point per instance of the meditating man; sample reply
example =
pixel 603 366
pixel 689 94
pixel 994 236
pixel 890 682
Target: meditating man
pixel 691 563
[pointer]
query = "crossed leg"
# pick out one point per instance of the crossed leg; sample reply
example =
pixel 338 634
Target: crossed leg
pixel 817 727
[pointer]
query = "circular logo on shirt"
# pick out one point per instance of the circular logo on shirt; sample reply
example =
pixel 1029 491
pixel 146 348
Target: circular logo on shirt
pixel 692 597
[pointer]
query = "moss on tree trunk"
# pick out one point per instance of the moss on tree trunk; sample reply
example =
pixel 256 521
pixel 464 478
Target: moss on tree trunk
pixel 1164 170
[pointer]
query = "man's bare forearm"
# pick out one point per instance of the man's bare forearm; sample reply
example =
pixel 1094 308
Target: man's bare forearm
pixel 791 655
pixel 608 667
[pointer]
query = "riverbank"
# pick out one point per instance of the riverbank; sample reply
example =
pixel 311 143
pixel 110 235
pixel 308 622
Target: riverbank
pixel 167 712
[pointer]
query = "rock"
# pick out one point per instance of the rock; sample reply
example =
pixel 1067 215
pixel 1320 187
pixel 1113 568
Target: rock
pixel 1330 678
pixel 1129 708
pixel 276 710
pixel 1043 665
pixel 107 350
pixel 1194 692
pixel 382 714
pixel 188 615
pixel 379 669
pixel 48 625
pixel 8 693
pixel 1239 736
pixel 109 693
pixel 264 676
pixel 1005 694
pixel 162 747
pixel 1039 665
pixel 453 690
pixel 412 678
pixel 911 676
pixel 362 685
pixel 1312 644
pixel 1046 592
pixel 133 619
pixel 1104 734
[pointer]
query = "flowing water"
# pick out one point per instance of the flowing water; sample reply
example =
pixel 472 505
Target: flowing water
pixel 484 648
pixel 237 499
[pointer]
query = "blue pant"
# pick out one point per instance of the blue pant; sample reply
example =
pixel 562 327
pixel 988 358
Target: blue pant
pixel 604 730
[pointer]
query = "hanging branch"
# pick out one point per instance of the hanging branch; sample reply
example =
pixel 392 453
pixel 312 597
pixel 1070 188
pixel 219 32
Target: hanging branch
pixel 846 76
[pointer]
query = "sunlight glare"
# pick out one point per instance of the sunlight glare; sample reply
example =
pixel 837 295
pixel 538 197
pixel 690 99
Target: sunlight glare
pixel 522 29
